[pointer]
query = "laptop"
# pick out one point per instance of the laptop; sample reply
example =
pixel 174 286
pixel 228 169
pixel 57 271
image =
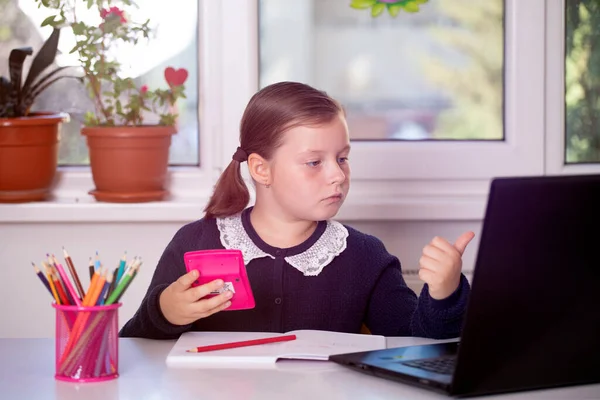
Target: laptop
pixel 533 315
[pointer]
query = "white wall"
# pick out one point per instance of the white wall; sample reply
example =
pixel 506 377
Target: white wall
pixel 25 309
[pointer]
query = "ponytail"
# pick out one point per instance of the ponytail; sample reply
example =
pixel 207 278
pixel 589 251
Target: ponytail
pixel 230 195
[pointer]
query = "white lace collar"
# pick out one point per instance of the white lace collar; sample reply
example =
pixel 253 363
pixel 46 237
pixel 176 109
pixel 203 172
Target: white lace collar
pixel 310 262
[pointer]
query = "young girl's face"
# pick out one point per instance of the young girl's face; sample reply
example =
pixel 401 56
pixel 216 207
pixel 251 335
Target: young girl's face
pixel 310 171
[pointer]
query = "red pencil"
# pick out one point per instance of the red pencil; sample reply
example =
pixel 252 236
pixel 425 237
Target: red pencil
pixel 244 343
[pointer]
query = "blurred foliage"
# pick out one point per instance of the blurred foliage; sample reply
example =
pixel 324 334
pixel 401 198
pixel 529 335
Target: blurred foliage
pixel 474 31
pixel 582 81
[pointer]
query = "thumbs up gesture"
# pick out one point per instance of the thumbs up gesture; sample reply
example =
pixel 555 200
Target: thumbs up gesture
pixel 441 264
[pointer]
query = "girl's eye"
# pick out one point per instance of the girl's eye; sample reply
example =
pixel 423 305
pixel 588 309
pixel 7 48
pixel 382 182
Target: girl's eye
pixel 342 160
pixel 313 163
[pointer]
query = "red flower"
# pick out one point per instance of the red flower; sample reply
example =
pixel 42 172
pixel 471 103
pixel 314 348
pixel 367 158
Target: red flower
pixel 175 77
pixel 113 12
pixel 144 89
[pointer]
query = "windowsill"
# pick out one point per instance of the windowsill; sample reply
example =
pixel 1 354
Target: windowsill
pixel 368 201
pixel 87 209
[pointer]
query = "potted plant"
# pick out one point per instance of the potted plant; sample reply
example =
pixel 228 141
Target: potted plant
pixel 28 140
pixel 129 132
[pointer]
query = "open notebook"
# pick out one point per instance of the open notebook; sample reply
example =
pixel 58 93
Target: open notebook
pixel 309 345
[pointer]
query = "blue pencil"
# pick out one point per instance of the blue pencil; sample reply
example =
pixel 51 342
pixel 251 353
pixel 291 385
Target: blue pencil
pixel 102 296
pixel 97 262
pixel 42 278
pixel 121 269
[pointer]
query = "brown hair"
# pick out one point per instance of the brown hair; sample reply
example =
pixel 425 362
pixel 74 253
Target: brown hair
pixel 270 112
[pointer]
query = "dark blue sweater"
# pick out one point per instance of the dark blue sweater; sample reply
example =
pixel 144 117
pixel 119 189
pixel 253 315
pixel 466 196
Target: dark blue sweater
pixel 362 285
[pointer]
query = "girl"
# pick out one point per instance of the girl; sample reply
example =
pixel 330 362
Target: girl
pixel 307 271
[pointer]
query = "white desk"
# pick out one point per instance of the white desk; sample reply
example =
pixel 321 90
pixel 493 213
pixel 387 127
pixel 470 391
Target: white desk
pixel 27 372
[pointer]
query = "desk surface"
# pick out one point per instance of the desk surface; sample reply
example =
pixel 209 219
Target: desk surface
pixel 27 372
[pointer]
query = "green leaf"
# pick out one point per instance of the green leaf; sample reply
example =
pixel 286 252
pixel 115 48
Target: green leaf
pixel 78 28
pixel 411 7
pixel 90 3
pixel 362 4
pixel 42 80
pixel 394 9
pixel 48 20
pixel 377 9
pixel 16 59
pixel 90 119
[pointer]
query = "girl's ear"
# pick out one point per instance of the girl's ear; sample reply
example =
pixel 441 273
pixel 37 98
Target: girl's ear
pixel 260 169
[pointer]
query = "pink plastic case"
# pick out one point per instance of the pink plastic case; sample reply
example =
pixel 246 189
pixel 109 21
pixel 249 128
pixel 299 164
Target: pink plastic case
pixel 227 265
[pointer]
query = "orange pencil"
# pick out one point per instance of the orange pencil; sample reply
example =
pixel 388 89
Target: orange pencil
pixel 88 295
pixel 98 287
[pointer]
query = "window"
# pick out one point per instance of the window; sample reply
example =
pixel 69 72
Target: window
pixel 413 179
pixel 572 77
pixel 175 44
pixel 582 82
pixel 435 74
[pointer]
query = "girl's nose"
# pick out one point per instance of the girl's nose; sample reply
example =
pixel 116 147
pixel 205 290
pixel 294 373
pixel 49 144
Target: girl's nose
pixel 337 175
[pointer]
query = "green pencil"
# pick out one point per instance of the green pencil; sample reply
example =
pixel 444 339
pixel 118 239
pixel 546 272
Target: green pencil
pixel 120 287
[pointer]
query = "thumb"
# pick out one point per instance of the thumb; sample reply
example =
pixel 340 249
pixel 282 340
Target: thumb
pixel 185 281
pixel 462 242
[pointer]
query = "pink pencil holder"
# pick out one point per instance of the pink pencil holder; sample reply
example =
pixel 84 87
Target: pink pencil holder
pixel 87 343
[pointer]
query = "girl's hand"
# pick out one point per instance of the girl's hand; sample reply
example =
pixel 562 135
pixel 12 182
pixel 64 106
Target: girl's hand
pixel 182 304
pixel 441 264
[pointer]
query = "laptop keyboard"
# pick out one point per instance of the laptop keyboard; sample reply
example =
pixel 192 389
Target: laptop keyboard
pixel 441 365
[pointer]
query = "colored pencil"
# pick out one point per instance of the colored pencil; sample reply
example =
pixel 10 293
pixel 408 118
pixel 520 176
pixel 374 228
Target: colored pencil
pixel 125 287
pixel 120 289
pixel 100 358
pixel 58 276
pixel 88 295
pixel 71 352
pixel 97 262
pixel 121 267
pixel 243 343
pixel 107 283
pixel 66 281
pixel 51 283
pixel 113 283
pixel 99 285
pixel 58 286
pixel 92 270
pixel 40 275
pixel 74 275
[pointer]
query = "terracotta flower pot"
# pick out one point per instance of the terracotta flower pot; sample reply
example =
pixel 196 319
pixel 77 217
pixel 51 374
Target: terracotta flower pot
pixel 129 164
pixel 28 156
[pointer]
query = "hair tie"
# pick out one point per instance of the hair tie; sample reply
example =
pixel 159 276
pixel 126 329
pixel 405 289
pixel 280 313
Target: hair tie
pixel 240 155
